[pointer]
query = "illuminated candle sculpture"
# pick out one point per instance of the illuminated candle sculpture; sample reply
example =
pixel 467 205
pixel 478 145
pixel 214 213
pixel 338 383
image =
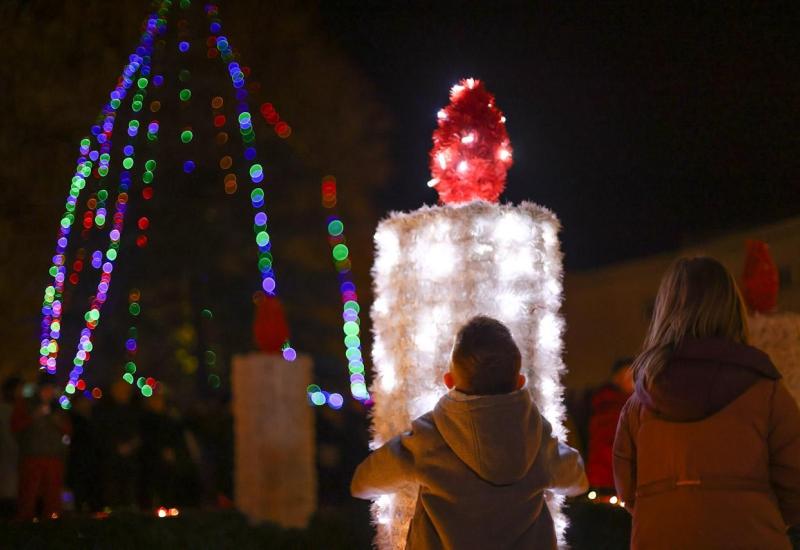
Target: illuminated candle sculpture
pixel 438 266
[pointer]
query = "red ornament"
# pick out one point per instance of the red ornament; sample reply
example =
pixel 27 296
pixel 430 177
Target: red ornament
pixel 471 151
pixel 270 329
pixel 760 278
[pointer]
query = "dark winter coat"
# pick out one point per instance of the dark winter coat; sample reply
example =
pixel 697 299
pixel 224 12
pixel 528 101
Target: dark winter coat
pixel 707 455
pixel 482 464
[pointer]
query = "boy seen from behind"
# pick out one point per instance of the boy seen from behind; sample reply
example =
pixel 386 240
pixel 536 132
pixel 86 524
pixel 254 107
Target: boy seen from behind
pixel 482 458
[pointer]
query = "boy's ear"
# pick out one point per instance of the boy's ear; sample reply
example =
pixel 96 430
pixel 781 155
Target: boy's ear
pixel 449 381
pixel 520 381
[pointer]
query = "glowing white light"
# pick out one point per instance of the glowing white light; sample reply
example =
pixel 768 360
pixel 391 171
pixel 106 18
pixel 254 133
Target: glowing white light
pixel 162 512
pixel 549 387
pixel 441 115
pixel 436 260
pixel 384 503
pixel 549 332
pixel 613 500
pixel 592 495
pixel 469 138
pixel 388 378
pixel 512 228
pixel 516 264
pixel 470 83
pixel 442 160
pixel 504 154
pixel 463 166
pixel 510 306
pixel 503 119
pixel 433 182
pixel 456 90
pixel 381 306
pixel 388 245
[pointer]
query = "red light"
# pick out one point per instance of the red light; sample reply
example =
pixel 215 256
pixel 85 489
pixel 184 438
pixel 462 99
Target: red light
pixel 81 385
pixel 73 279
pixel 151 382
pixel 141 241
pixel 144 223
pixel 147 193
pixel 97 393
pixel 219 121
pixel 283 130
pixel 246 71
pixel 213 53
pixel 78 265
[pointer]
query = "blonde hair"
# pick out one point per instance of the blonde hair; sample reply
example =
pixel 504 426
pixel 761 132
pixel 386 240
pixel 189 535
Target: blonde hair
pixel 698 298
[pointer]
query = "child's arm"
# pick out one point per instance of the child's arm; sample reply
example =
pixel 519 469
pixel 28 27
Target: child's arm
pixel 625 456
pixel 567 476
pixel 384 471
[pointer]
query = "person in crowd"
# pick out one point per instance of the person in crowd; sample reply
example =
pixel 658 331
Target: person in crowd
pixel 482 459
pixel 170 478
pixel 9 450
pixel 707 451
pixel 118 421
pixel 43 430
pixel 606 404
pixel 84 461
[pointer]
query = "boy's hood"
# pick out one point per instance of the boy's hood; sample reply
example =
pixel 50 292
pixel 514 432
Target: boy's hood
pixel 497 436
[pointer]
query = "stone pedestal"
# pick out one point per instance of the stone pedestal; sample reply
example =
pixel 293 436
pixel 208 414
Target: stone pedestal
pixel 275 475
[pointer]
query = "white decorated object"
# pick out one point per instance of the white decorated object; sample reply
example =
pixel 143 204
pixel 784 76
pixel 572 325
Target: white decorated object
pixel 435 268
pixel 275 477
pixel 778 334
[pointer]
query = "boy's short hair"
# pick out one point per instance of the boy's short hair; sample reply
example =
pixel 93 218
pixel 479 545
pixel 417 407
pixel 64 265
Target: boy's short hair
pixel 486 360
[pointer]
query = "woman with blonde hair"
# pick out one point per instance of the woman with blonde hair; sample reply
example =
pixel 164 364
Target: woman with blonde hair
pixel 707 451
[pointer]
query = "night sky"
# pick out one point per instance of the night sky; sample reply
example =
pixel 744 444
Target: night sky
pixel 643 129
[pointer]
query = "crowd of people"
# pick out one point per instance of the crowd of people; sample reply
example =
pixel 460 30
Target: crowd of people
pixel 117 452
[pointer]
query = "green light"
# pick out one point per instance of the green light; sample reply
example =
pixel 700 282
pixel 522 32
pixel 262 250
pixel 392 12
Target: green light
pixel 66 405
pixel 100 220
pixel 335 228
pixel 256 170
pixel 352 304
pixel 52 347
pixel 140 381
pixel 206 313
pixel 350 328
pixel 53 271
pixel 263 264
pixel 136 106
pixel 102 194
pixel 142 83
pixel 356 368
pixel 318 398
pixel 69 388
pixel 244 117
pixel 150 165
pixel 128 377
pixel 186 136
pixel 211 357
pixel 340 252
pixel 115 104
pixel 352 353
pixel 147 177
pixel 184 75
pixel 94 314
pixel 127 163
pixel 111 254
pixel 312 388
pixel 257 195
pixel 147 391
pixel 130 367
pixel 262 238
pixel 135 308
pixel 85 142
pixel 185 94
pixel 102 170
pixel 214 381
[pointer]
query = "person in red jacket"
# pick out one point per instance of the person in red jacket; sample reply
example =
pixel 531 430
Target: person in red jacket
pixel 41 427
pixel 606 405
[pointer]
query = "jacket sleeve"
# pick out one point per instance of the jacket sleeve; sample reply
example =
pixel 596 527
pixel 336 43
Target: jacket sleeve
pixel 625 453
pixel 784 453
pixel 385 470
pixel 565 466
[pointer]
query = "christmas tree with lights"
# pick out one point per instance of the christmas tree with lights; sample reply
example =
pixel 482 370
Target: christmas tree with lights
pixel 438 266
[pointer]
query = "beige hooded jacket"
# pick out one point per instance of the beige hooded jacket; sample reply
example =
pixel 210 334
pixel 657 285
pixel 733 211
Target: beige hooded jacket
pixel 482 464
